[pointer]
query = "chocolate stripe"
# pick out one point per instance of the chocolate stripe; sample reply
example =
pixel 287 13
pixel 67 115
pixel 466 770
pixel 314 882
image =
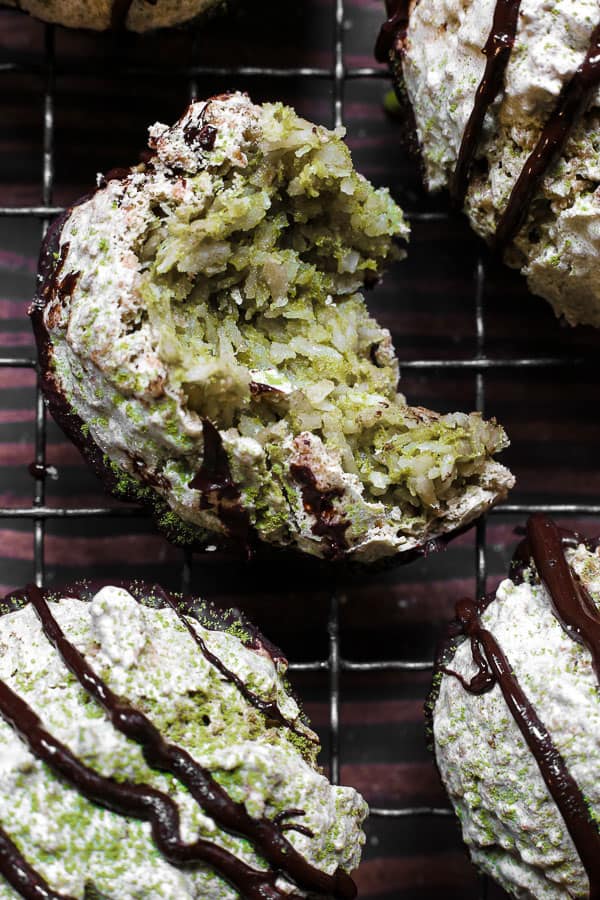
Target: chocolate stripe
pixel 21 876
pixel 571 104
pixel 494 668
pixel 392 29
pixel 498 49
pixel 232 816
pixel 571 603
pixel 269 709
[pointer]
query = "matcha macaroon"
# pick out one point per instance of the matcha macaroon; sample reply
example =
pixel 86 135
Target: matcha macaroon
pixel 204 341
pixel 151 747
pixel 133 15
pixel 515 715
pixel 503 98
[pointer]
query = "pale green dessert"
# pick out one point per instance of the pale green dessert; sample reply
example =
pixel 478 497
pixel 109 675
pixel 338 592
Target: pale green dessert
pixel 149 658
pixel 439 63
pixel 202 318
pixel 513 819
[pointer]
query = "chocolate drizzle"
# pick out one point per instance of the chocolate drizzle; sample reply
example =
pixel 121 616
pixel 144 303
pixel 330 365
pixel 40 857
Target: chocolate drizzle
pixel 219 491
pixel 292 826
pixel 393 29
pixel 137 800
pixel 571 104
pixel 579 617
pixel 269 709
pixel 26 881
pixel 497 50
pixel 571 602
pixel 145 802
pixel 319 504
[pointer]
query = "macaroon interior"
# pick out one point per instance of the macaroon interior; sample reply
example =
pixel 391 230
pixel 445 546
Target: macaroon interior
pixel 251 282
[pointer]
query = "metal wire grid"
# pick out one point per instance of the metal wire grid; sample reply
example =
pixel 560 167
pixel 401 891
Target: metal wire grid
pixel 335 663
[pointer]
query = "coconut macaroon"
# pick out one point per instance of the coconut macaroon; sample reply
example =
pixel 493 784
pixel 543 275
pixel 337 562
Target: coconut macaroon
pixel 204 342
pixel 516 720
pixel 151 747
pixel 505 103
pixel 100 15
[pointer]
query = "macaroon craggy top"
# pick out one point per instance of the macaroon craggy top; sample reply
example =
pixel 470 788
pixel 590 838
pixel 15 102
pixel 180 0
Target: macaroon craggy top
pixel 204 691
pixel 516 721
pixel 200 317
pixel 534 54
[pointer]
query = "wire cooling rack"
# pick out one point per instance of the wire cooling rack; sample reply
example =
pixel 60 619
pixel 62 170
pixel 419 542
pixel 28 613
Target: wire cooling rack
pixel 479 364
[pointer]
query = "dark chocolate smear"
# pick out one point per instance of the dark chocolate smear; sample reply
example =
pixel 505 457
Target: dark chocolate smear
pixel 572 102
pixel 145 802
pixel 201 136
pixel 494 668
pixel 119 12
pixel 21 876
pixel 55 268
pixel 497 50
pixel 258 387
pixel 218 489
pixel 319 504
pixel 66 286
pixel 269 709
pixel 571 602
pixel 394 28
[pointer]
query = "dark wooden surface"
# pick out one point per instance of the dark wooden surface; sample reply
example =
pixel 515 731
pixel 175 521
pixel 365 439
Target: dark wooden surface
pixel 108 90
